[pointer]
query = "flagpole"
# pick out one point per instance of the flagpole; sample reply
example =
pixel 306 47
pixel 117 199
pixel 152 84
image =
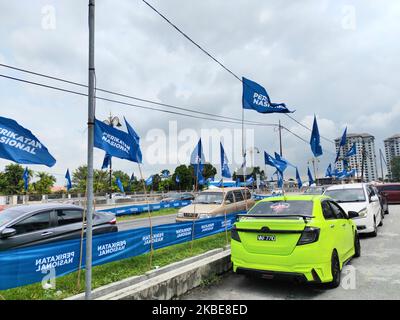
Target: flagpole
pixel 195 190
pixel 280 138
pixel 149 215
pixel 91 118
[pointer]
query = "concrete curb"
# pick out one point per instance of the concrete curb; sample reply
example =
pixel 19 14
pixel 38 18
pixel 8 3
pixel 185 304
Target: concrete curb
pixel 167 282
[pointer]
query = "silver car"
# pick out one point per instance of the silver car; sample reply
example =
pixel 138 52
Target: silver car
pixel 29 225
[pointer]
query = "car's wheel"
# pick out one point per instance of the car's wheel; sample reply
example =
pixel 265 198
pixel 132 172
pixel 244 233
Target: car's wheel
pixel 335 269
pixel 375 232
pixel 357 246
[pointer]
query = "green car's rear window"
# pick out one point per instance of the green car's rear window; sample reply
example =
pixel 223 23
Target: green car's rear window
pixel 294 207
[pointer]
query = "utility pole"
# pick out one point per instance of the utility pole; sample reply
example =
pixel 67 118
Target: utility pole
pixel 89 188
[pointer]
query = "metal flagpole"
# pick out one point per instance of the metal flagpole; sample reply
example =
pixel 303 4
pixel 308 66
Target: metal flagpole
pixel 91 117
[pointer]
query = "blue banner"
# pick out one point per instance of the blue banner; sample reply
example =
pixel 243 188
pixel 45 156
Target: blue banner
pixel 315 141
pixel 255 97
pixel 224 163
pixel 139 208
pixel 21 146
pixel 277 164
pixel 106 161
pixel 68 177
pixel 310 177
pixel 24 266
pixel 115 142
pixel 352 151
pixel 120 185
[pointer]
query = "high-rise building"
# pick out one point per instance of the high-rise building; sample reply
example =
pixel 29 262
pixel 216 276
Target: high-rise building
pixel 392 149
pixel 363 141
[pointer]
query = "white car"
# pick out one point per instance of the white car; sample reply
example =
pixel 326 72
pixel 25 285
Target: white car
pixel 361 198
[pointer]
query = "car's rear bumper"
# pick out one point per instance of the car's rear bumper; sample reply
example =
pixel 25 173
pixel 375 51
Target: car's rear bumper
pixel 279 275
pixel 306 263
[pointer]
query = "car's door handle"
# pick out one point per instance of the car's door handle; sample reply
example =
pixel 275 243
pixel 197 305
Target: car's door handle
pixel 46 233
pixel 332 226
pixel 344 225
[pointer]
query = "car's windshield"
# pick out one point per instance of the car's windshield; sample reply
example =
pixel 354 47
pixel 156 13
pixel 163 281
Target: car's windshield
pixel 209 197
pixel 347 195
pixel 294 207
pixel 9 214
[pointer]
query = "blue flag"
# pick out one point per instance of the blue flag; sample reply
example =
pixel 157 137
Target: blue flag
pixel 299 182
pixel 131 180
pixel 119 184
pixel 115 142
pixel 341 143
pixel 21 146
pixel 165 174
pixel 149 181
pixel 25 176
pixel 310 177
pixel 256 97
pixel 220 183
pixel 315 142
pixel 279 158
pixel 106 161
pixel 197 159
pixel 224 163
pixel 250 180
pixel 136 138
pixel 177 180
pixel 352 151
pixel 271 161
pixel 68 177
pixel 237 182
pixel 328 172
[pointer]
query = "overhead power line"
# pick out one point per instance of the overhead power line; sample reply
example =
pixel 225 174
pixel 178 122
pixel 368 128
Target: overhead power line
pixel 141 106
pixel 213 58
pixel 132 97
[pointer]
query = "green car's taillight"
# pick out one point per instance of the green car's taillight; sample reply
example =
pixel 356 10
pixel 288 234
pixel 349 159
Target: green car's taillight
pixel 309 235
pixel 235 234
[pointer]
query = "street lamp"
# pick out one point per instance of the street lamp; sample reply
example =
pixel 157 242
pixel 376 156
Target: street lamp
pixel 113 122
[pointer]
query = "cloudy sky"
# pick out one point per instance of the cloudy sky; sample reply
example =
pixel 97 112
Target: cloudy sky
pixel 337 59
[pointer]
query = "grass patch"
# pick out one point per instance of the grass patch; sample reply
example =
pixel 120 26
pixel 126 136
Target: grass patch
pixel 162 212
pixel 114 271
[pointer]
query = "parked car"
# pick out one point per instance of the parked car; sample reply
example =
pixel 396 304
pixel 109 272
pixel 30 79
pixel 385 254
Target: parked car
pixel 216 202
pixel 29 225
pixel 359 197
pixel 382 198
pixel 178 196
pixel 304 237
pixel 391 191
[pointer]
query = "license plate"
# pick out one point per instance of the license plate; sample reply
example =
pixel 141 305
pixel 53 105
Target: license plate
pixel 266 238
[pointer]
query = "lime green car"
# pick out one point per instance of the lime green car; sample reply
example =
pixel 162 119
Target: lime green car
pixel 305 237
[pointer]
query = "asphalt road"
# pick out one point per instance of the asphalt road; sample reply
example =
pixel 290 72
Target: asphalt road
pixel 375 275
pixel 144 222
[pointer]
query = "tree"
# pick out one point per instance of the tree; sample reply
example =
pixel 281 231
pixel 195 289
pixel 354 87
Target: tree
pixel 395 168
pixel 79 178
pixel 124 177
pixel 209 171
pixel 11 181
pixel 45 183
pixel 186 178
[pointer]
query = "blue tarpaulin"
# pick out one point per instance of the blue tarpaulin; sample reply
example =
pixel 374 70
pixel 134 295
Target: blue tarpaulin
pixel 24 266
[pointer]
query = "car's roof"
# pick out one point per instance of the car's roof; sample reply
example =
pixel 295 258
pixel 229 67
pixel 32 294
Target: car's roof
pixel 297 197
pixel 225 189
pixel 347 186
pixel 42 206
